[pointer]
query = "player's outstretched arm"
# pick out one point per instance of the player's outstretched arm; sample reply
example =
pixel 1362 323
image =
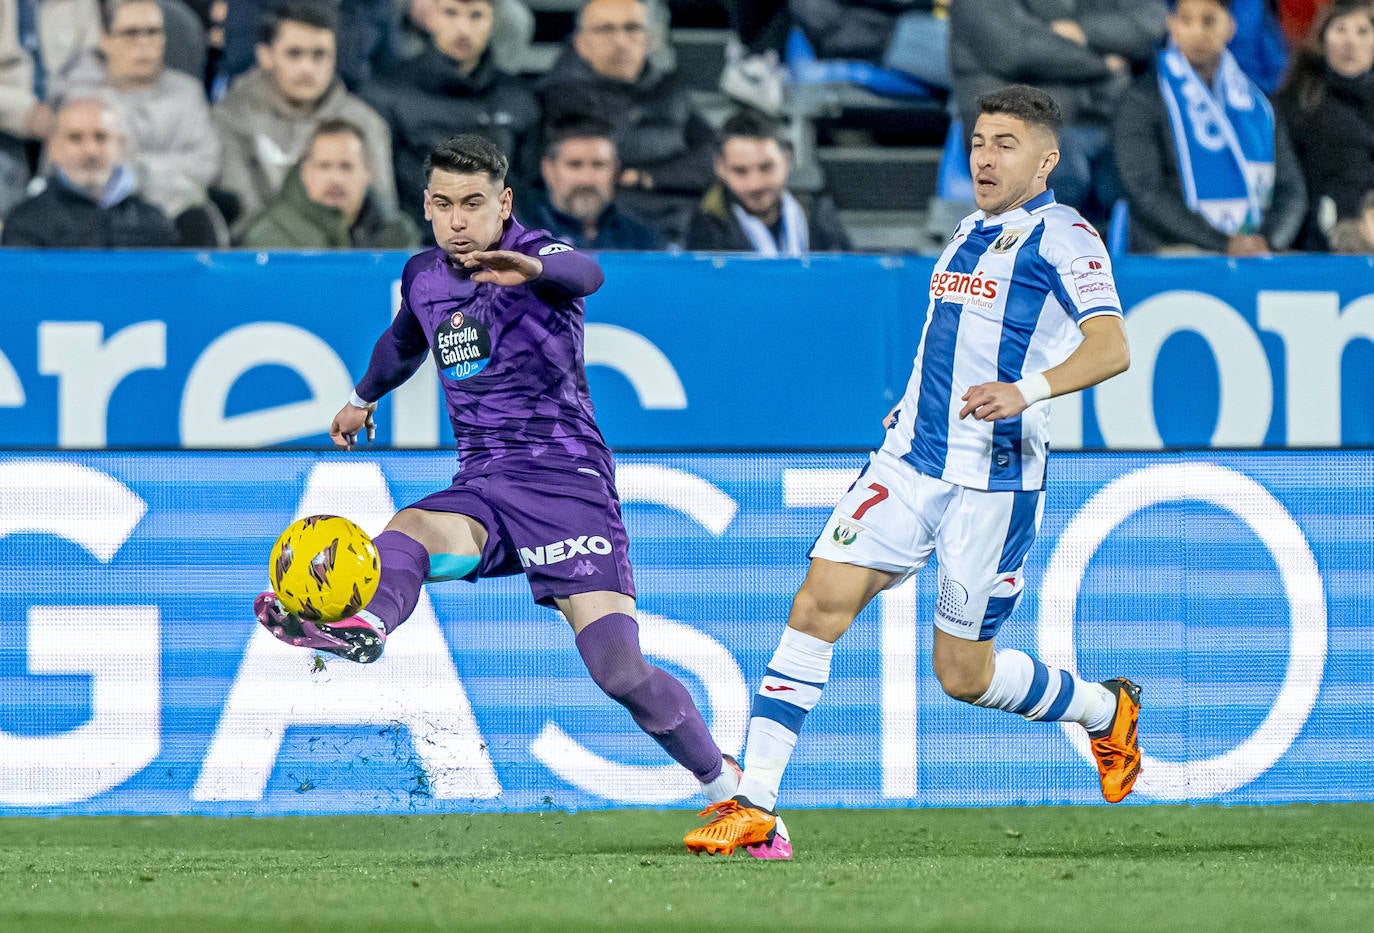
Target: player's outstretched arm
pixel 1103 354
pixel 569 272
pixel 503 266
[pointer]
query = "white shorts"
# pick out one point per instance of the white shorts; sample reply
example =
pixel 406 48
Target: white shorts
pixel 894 517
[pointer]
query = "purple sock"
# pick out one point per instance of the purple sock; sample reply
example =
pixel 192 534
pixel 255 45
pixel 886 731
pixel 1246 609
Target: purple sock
pixel 660 705
pixel 405 564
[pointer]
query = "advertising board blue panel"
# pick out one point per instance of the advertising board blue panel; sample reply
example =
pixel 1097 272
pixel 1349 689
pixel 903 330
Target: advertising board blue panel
pixel 244 350
pixel 1235 587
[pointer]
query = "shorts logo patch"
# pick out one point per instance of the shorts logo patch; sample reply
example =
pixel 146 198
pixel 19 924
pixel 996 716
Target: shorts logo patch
pixel 462 347
pixel 953 599
pixel 568 548
pixel 844 536
pixel 585 568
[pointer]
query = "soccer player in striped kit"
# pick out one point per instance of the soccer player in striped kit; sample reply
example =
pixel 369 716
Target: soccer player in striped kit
pixel 1023 307
pixel 500 308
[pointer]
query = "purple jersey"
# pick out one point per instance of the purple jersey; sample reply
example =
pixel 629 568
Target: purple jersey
pixel 509 357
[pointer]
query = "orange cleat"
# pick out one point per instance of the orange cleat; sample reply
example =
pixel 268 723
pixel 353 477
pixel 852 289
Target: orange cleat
pixel 1117 749
pixel 734 823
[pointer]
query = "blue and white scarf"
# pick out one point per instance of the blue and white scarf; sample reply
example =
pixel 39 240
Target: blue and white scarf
pixel 796 238
pixel 1224 138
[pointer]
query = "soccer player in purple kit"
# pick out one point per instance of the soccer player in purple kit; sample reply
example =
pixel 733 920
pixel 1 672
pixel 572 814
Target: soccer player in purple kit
pixel 500 307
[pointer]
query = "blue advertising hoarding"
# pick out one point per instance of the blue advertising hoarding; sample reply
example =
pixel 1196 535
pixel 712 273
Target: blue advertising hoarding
pixel 1234 586
pixel 246 350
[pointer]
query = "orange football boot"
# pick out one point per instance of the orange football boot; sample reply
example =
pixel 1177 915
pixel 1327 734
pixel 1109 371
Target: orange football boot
pixel 734 823
pixel 1117 748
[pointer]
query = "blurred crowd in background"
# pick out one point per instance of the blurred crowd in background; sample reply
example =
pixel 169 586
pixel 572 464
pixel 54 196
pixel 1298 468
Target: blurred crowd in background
pixel 1240 127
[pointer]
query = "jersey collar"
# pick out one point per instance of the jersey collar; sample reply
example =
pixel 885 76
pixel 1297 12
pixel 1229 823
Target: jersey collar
pixel 1043 199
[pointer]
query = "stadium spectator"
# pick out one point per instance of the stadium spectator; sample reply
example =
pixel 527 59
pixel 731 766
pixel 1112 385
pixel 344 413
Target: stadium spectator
pixel 510 36
pixel 1328 103
pixel 577 204
pixel 269 114
pixel 665 146
pixel 326 202
pixel 39 41
pixel 1082 55
pixel 90 199
pixel 1259 44
pixel 749 209
pixel 1242 198
pixel 173 144
pixel 364 33
pixel 453 86
pixel 1356 235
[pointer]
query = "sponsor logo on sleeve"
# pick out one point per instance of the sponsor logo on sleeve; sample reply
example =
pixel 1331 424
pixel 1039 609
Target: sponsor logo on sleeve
pixel 1092 280
pixel 555 248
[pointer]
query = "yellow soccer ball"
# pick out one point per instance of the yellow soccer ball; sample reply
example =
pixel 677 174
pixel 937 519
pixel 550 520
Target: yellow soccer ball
pixel 324 568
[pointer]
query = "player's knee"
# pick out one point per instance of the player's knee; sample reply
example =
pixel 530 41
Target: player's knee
pixel 622 681
pixel 963 681
pixel 816 615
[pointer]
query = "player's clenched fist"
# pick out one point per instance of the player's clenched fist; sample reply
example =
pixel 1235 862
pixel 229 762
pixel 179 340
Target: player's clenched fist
pixel 992 401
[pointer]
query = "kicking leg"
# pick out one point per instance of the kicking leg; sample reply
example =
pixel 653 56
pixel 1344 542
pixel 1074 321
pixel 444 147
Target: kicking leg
pixel 405 547
pixel 830 598
pixel 973 671
pixel 608 641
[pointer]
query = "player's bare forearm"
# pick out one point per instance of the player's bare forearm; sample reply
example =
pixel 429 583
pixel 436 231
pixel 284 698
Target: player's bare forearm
pixel 1102 354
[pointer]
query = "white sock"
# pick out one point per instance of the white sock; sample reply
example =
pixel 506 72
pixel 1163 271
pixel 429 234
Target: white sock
pixel 791 687
pixel 725 786
pixel 1021 684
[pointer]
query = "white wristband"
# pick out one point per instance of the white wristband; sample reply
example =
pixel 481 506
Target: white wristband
pixel 356 401
pixel 1034 388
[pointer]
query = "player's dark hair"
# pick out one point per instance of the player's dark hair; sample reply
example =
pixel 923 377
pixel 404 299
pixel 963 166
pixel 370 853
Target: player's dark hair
pixel 578 126
pixel 468 154
pixel 316 14
pixel 749 124
pixel 336 126
pixel 1030 105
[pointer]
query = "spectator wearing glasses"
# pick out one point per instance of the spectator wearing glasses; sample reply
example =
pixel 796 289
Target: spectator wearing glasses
pixel 174 149
pixel 665 147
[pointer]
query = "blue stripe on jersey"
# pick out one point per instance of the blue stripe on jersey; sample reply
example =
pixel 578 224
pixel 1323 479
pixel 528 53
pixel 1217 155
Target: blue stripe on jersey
pixel 930 433
pixel 1025 299
pixel 1061 699
pixel 1040 682
pixel 785 714
pixel 769 672
pixel 1020 530
pixel 998 611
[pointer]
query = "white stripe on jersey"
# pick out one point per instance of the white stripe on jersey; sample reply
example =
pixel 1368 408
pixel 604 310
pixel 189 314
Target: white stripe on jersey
pixel 1006 299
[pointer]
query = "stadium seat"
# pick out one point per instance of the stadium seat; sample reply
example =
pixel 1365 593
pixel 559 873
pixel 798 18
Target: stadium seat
pixel 954 183
pixel 186 47
pixel 806 68
pixel 1119 230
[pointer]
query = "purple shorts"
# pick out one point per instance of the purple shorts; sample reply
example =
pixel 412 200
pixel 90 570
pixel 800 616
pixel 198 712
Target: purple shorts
pixel 562 528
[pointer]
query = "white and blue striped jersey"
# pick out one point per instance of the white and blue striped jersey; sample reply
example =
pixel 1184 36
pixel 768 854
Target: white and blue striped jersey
pixel 1006 299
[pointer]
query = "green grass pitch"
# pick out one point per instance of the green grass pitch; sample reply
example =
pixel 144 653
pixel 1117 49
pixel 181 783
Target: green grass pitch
pixel 1298 867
